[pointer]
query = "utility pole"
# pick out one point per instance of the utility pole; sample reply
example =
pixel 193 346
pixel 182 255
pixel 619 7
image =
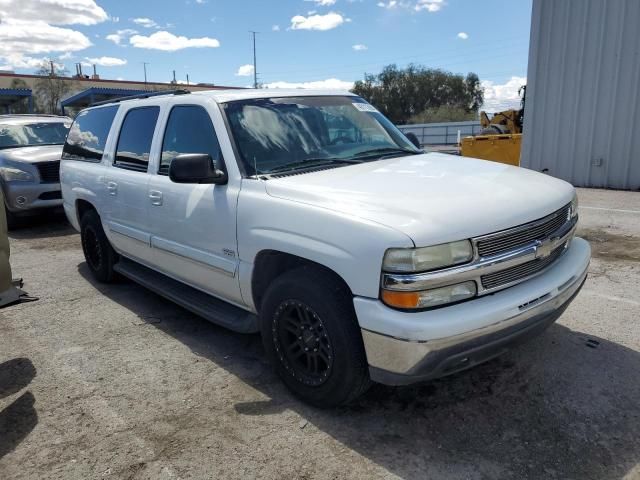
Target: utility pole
pixel 144 65
pixel 255 66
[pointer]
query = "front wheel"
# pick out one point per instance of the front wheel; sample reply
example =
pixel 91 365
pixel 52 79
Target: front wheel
pixel 98 252
pixel 12 220
pixel 310 333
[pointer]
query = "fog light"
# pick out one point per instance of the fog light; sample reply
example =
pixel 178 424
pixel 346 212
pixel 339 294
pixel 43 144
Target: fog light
pixel 21 200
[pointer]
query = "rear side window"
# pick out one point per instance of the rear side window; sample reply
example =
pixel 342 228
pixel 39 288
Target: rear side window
pixel 189 130
pixel 88 134
pixel 136 134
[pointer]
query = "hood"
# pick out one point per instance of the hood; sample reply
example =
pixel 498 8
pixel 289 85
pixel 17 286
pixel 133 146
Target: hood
pixel 44 153
pixel 432 198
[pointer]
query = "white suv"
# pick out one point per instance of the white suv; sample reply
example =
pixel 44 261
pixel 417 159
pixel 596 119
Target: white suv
pixel 307 216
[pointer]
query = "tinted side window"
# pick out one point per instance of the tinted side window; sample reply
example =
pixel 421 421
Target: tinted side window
pixel 136 134
pixel 189 130
pixel 88 134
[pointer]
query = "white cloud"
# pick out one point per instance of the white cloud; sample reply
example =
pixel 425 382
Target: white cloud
pixel 169 42
pixel 415 5
pixel 245 71
pixel 328 84
pixel 25 38
pixel 27 28
pixel 105 61
pixel 463 35
pixel 359 47
pixel 145 22
pixel 53 12
pixel 66 56
pixel 388 5
pixel 504 96
pixel 429 5
pixel 275 28
pixel 317 22
pixel 323 3
pixel 120 35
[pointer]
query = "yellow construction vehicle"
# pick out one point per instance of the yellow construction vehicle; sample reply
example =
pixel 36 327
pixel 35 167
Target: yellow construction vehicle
pixel 501 136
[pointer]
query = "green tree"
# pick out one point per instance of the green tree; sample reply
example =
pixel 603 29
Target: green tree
pixel 23 105
pixel 52 86
pixel 401 94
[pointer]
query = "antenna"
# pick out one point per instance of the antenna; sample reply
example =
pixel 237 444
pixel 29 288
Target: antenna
pixel 255 66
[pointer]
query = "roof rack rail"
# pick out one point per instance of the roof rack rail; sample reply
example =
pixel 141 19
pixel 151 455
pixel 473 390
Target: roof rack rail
pixel 142 95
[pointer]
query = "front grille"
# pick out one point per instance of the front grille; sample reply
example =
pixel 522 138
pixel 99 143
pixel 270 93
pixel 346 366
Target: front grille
pixel 523 234
pixel 519 272
pixel 49 171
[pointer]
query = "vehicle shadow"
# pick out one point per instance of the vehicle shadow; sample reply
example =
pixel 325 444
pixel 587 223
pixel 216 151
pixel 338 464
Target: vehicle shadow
pixel 42 226
pixel 565 405
pixel 19 418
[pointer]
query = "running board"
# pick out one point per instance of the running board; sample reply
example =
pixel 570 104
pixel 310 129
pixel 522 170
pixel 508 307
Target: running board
pixel 203 305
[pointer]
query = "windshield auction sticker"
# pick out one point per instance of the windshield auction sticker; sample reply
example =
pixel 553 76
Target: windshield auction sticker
pixel 365 107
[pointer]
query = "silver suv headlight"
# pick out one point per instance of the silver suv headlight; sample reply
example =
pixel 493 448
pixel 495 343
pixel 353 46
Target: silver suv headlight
pixel 424 259
pixel 573 210
pixel 12 174
pixel 412 260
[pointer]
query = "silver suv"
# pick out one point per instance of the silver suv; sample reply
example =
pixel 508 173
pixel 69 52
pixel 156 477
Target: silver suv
pixel 30 150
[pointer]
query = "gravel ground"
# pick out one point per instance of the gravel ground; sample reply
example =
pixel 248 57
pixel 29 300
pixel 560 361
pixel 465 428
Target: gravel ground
pixel 114 382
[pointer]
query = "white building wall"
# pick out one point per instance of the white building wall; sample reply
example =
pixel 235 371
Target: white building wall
pixel 582 117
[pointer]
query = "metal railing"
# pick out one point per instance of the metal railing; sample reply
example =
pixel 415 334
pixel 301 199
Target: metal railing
pixel 442 133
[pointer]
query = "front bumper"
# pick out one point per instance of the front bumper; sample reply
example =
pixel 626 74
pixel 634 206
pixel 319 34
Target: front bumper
pixel 23 197
pixel 404 348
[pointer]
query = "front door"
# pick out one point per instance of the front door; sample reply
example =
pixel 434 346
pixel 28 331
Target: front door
pixel 193 234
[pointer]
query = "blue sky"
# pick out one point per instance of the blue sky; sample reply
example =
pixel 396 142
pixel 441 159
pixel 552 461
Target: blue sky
pixel 329 42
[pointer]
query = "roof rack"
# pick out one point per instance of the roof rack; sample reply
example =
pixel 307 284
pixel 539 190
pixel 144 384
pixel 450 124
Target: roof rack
pixel 142 95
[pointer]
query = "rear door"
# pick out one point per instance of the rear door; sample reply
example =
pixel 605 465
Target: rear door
pixel 127 180
pixel 194 225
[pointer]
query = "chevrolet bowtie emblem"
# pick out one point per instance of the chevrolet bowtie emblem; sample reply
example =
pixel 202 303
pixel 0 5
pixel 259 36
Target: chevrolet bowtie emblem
pixel 544 248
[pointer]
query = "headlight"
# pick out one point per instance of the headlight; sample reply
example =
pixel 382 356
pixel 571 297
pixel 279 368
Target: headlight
pixel 573 211
pixel 10 174
pixel 404 260
pixel 429 298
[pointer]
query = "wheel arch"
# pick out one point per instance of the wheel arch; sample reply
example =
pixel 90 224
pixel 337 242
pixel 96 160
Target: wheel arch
pixel 270 264
pixel 82 207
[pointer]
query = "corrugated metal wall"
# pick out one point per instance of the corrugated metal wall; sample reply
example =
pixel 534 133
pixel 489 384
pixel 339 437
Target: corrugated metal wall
pixel 582 117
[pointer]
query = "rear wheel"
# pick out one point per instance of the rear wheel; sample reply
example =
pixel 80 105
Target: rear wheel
pixel 311 335
pixel 98 252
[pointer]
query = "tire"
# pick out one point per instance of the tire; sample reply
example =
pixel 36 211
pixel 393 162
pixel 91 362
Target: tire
pixel 309 308
pixel 13 221
pixel 98 252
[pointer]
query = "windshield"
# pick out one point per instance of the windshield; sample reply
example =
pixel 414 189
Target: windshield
pixel 289 133
pixel 12 136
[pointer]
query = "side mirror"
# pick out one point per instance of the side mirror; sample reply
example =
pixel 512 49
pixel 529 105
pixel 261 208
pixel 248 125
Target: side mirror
pixel 413 138
pixel 195 168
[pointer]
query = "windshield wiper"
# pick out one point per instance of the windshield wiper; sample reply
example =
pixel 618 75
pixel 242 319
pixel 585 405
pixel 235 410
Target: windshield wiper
pixel 384 152
pixel 310 163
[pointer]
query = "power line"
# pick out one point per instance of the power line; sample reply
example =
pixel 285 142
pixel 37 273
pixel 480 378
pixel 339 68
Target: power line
pixel 464 61
pixel 442 54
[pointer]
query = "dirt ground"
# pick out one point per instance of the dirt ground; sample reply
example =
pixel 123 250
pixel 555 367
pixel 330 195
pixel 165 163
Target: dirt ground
pixel 114 382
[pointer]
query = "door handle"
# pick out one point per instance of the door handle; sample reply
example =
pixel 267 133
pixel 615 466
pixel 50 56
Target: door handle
pixel 156 197
pixel 112 188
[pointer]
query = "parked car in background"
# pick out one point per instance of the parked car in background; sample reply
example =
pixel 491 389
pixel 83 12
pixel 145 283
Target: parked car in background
pixel 307 216
pixel 30 150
